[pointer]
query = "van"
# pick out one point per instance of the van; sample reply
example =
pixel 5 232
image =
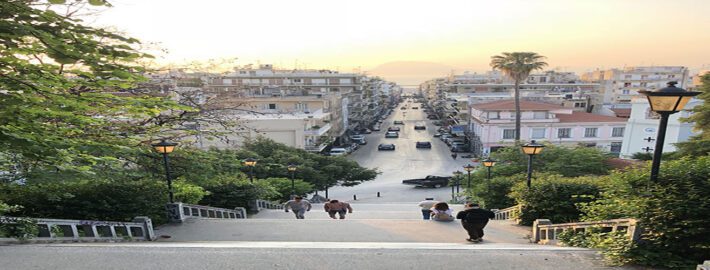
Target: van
pixel 338 152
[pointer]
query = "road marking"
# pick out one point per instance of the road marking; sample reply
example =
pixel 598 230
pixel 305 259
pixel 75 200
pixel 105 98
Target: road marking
pixel 327 245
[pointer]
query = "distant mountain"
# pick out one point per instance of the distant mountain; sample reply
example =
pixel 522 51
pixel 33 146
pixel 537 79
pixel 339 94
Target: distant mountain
pixel 410 72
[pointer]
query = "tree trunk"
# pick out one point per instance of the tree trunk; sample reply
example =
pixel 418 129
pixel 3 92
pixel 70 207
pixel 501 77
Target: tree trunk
pixel 517 111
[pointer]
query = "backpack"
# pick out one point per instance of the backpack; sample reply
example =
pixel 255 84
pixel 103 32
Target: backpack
pixel 443 216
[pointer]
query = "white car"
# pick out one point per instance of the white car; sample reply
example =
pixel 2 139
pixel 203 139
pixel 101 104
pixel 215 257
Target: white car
pixel 338 151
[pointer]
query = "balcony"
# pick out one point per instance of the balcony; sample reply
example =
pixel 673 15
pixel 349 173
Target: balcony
pixel 319 131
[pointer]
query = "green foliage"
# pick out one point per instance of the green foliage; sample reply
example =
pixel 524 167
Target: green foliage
pixel 699 145
pixel 673 211
pixel 227 191
pixel 642 156
pixel 616 247
pixel 494 194
pixel 20 228
pixel 554 197
pixel 565 161
pixel 283 187
pixel 187 193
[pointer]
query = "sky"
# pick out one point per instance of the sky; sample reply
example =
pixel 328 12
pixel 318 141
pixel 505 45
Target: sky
pixel 578 35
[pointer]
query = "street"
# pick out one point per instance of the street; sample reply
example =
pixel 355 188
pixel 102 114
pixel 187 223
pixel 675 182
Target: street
pixel 405 162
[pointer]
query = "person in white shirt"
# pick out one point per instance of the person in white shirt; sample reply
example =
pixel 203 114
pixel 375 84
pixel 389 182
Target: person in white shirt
pixel 426 206
pixel 299 206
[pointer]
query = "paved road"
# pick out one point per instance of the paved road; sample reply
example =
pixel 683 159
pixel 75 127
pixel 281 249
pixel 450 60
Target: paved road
pixel 405 162
pixel 342 256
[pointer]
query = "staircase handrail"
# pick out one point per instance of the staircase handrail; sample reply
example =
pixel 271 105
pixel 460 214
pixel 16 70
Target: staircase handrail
pixel 510 213
pixel 544 232
pixel 141 229
pixel 179 212
pixel 264 204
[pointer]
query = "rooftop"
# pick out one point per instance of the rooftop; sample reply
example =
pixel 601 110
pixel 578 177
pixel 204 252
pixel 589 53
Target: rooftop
pixel 587 117
pixel 509 105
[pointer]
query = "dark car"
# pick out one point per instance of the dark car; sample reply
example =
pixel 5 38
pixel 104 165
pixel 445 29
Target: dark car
pixel 432 117
pixel 392 134
pixel 398 122
pixel 385 146
pixel 393 129
pixel 423 144
pixel 415 108
pixel 429 181
pixel 419 127
pixel 460 148
pixel 403 108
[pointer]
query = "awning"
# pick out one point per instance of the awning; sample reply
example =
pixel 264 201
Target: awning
pixel 458 130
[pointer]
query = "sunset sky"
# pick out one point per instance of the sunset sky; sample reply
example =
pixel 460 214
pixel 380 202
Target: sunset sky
pixel 461 35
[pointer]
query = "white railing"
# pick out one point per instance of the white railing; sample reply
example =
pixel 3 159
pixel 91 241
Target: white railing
pixel 262 204
pixel 544 232
pixel 141 228
pixel 318 132
pixel 179 212
pixel 510 213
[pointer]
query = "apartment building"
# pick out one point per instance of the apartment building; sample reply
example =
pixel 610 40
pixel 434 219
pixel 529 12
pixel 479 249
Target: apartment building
pixel 619 86
pixel 493 126
pixel 642 128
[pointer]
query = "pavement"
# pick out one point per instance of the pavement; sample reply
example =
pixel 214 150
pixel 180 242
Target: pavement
pixel 406 162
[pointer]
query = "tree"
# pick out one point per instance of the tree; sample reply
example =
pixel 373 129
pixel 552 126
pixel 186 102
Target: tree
pixel 518 65
pixel 699 145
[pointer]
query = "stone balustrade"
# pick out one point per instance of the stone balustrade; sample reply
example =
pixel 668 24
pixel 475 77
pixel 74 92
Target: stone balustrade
pixel 179 212
pixel 704 266
pixel 510 213
pixel 141 228
pixel 262 204
pixel 545 233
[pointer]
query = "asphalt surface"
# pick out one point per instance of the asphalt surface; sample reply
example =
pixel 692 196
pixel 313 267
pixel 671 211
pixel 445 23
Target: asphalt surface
pixel 196 256
pixel 405 162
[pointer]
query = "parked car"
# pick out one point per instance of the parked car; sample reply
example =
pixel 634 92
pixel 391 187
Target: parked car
pixel 415 108
pixel 437 123
pixel 436 135
pixel 432 117
pixel 450 141
pixel 460 148
pixel 338 152
pixel 392 134
pixel 398 122
pixel 376 128
pixel 429 181
pixel 359 139
pixel 455 143
pixel 423 144
pixel 393 129
pixel 403 108
pixel 443 137
pixel 419 127
pixel 385 146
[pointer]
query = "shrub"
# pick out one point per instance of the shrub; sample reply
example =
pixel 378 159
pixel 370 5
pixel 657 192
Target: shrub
pixel 494 193
pixel 554 197
pixel 283 187
pixel 228 191
pixel 616 246
pixel 673 211
pixel 565 161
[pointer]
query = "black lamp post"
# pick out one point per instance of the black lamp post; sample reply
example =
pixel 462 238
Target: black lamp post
pixel 665 101
pixel 250 162
pixel 469 168
pixel 457 175
pixel 292 168
pixel 165 148
pixel 488 163
pixel 531 149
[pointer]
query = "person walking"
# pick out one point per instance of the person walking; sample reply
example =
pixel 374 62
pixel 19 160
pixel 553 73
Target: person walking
pixel 474 219
pixel 426 206
pixel 299 206
pixel 337 207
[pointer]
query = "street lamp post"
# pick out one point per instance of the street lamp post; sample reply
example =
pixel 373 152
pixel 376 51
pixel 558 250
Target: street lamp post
pixel 468 169
pixel 250 162
pixel 457 175
pixel 292 168
pixel 665 101
pixel 165 148
pixel 531 149
pixel 488 163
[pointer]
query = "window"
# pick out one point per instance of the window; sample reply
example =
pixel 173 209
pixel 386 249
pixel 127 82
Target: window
pixel 508 134
pixel 493 115
pixel 564 133
pixel 272 106
pixel 644 77
pixel 580 104
pixel 539 115
pixel 625 92
pixel 644 84
pixel 538 133
pixel 627 76
pixel 590 132
pixel 628 84
pixel 617 132
pixel 297 80
pixel 671 76
pixel 615 147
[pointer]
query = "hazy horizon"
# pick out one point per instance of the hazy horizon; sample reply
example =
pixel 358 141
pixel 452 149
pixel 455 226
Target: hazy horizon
pixel 455 35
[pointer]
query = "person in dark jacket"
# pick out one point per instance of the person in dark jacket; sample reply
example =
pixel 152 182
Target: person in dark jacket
pixel 474 219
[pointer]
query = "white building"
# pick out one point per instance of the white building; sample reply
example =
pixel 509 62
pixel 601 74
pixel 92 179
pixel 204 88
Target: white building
pixel 643 124
pixel 619 86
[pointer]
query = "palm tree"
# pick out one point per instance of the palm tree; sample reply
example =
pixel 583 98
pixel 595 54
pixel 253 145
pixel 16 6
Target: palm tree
pixel 518 65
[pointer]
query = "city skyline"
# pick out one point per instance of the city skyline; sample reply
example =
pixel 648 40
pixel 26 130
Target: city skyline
pixel 438 38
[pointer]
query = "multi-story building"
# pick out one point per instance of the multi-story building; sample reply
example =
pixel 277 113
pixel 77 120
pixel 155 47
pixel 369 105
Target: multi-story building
pixel 493 126
pixel 619 86
pixel 642 128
